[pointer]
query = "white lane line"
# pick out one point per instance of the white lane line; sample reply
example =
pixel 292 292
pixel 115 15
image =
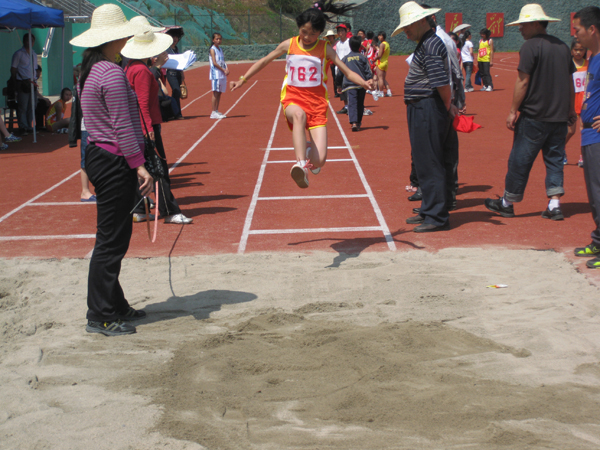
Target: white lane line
pixel 17 209
pixel 207 92
pixel 49 237
pixel 317 230
pixel 60 203
pixel 292 148
pixel 261 174
pixel 294 161
pixel 313 197
pixel 209 130
pixel 386 232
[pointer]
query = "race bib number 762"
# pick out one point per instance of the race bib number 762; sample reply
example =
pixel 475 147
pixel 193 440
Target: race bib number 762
pixel 303 71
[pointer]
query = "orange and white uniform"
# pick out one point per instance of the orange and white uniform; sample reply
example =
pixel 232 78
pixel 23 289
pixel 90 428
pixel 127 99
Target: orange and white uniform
pixel 579 78
pixel 305 83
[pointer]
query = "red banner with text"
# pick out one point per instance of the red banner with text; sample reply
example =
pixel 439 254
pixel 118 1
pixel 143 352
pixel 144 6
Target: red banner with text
pixel 572 29
pixel 495 23
pixel 452 21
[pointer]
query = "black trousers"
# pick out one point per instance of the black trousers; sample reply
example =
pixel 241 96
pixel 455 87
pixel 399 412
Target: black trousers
pixel 115 184
pixel 450 166
pixel 167 205
pixel 591 174
pixel 174 79
pixel 484 71
pixel 428 123
pixel 356 105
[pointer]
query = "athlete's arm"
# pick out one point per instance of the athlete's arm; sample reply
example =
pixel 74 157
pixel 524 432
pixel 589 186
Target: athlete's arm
pixel 352 76
pixel 261 64
pixel 491 52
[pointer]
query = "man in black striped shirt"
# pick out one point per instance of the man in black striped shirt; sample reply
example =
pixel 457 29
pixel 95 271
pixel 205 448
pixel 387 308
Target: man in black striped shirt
pixel 427 95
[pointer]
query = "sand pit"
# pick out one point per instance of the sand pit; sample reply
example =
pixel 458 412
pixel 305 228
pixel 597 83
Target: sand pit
pixel 287 351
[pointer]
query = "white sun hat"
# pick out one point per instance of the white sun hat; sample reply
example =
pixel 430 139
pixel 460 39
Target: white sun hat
pixel 142 24
pixel 108 24
pixel 146 45
pixel 412 12
pixel 331 33
pixel 532 13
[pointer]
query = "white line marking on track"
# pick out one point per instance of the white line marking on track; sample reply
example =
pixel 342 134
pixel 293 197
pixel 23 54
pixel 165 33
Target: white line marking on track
pixel 7 215
pixel 294 161
pixel 49 237
pixel 61 203
pixel 316 230
pixel 261 174
pixel 386 232
pixel 312 197
pixel 207 92
pixel 292 148
pixel 209 130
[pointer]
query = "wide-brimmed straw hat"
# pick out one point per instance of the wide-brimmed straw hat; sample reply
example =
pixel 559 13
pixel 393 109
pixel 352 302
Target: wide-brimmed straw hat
pixel 108 24
pixel 532 13
pixel 146 45
pixel 143 24
pixel 412 12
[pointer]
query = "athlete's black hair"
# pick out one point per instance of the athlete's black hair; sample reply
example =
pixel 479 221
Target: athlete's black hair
pixel 319 14
pixel 63 92
pixel 574 42
pixel 355 43
pixel 486 32
pixel 588 16
pixel 382 33
pixel 370 34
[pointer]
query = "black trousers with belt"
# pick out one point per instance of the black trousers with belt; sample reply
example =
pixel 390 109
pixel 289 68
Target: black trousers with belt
pixel 428 123
pixel 115 184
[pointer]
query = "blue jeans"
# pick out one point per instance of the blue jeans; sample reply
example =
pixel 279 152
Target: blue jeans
pixel 468 66
pixel 531 136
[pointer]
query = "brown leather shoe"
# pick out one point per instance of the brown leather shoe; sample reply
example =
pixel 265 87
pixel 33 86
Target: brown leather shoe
pixel 429 228
pixel 415 220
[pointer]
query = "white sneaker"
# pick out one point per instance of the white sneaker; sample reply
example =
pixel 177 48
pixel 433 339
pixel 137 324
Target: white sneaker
pixel 490 89
pixel 316 170
pixel 367 112
pixel 217 115
pixel 299 174
pixel 483 89
pixel 389 93
pixel 374 94
pixel 221 115
pixel 142 217
pixel 178 219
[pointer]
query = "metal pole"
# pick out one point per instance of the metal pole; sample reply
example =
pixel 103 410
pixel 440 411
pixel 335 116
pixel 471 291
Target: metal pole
pixel 62 61
pixel 211 23
pixel 280 25
pixel 249 31
pixel 33 78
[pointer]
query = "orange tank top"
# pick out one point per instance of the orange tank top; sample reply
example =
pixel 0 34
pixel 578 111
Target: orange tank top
pixel 579 78
pixel 306 74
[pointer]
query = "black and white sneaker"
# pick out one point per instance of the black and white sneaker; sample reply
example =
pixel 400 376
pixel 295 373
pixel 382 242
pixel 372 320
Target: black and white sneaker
pixel 115 328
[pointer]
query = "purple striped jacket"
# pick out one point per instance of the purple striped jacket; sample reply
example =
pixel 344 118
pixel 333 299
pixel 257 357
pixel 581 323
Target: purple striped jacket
pixel 110 110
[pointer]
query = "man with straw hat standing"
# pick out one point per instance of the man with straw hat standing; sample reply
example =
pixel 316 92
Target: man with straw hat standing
pixel 544 95
pixel 427 96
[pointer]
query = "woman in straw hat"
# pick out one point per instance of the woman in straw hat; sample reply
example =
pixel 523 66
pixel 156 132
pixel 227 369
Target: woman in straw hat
pixel 115 165
pixel 142 47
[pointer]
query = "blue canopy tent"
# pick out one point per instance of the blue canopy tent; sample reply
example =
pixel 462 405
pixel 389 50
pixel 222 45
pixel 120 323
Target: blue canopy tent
pixel 24 15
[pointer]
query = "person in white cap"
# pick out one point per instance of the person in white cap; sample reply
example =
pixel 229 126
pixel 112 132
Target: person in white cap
pixel 544 96
pixel 586 24
pixel 114 161
pixel 427 96
pixel 139 50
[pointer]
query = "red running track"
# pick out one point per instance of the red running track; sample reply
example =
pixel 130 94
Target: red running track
pixel 232 177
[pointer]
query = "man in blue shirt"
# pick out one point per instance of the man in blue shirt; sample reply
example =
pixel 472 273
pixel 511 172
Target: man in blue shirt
pixel 427 96
pixel 587 30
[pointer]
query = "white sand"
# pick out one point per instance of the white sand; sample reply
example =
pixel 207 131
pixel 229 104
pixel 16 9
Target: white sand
pixel 287 351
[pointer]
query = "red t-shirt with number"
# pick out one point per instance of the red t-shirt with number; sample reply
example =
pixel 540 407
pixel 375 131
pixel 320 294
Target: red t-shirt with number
pixel 305 83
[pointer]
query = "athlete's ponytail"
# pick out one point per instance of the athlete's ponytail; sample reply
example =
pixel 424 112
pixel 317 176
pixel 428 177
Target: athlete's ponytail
pixel 318 15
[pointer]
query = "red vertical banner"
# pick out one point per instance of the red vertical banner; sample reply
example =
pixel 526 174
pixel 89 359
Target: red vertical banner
pixel 572 29
pixel 495 23
pixel 452 21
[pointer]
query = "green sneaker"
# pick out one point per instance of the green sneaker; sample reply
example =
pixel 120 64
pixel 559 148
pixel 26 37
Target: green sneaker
pixel 590 250
pixel 593 263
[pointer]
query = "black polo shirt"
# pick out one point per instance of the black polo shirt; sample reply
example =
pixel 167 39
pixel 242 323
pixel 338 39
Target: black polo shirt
pixel 428 69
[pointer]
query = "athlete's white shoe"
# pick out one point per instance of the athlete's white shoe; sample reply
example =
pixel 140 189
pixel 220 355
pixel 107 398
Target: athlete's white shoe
pixel 299 174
